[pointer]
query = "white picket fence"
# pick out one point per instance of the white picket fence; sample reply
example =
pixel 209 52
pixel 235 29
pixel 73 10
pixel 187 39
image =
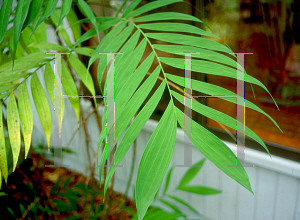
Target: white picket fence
pixel 275 182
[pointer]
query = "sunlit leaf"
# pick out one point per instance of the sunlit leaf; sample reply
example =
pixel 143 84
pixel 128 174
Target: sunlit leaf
pixel 23 64
pixel 49 46
pixel 82 72
pixel 3 156
pixel 13 126
pixel 26 117
pixel 41 105
pixel 70 89
pixel 8 87
pixel 63 33
pixel 76 29
pixel 86 51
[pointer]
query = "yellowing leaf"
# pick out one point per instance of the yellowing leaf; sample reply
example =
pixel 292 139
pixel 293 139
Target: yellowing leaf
pixel 42 106
pixel 13 125
pixel 26 117
pixel 70 89
pixel 3 157
pixel 49 82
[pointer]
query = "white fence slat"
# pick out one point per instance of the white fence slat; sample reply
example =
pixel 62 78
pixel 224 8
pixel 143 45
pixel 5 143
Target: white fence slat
pixel 286 197
pixel 211 180
pixel 297 204
pixel 246 199
pixel 265 194
pixel 228 197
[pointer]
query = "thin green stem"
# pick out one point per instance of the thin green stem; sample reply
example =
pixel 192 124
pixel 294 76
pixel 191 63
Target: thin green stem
pixel 119 10
pixel 159 62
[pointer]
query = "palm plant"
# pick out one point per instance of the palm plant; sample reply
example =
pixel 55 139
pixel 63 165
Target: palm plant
pixel 23 56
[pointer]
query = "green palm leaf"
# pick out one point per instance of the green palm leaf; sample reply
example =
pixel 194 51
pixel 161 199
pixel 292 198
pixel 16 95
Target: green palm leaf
pixel 130 71
pixel 49 82
pixel 13 126
pixel 201 190
pixel 150 6
pixel 162 16
pixel 191 173
pixel 72 19
pixel 184 203
pixel 219 154
pixel 34 9
pixel 49 8
pixel 3 156
pixel 4 17
pixel 155 160
pixel 19 19
pixel 65 8
pixel 26 117
pixel 90 14
pixel 221 117
pixel 42 106
pixel 168 179
pixel 92 32
pixel 70 89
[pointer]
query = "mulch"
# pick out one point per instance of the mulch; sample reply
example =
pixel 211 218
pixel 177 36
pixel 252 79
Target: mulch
pixel 34 191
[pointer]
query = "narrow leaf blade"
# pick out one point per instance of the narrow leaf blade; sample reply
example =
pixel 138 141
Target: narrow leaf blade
pixel 42 106
pixel 191 173
pixel 13 125
pixel 65 8
pixel 49 8
pixel 219 154
pixel 169 176
pixel 3 156
pixel 150 6
pixel 155 160
pixel 26 117
pixel 200 190
pixel 70 89
pixel 34 9
pixel 21 14
pixel 90 14
pixel 4 17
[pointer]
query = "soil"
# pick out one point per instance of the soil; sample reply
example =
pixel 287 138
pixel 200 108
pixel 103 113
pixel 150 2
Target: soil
pixel 34 191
